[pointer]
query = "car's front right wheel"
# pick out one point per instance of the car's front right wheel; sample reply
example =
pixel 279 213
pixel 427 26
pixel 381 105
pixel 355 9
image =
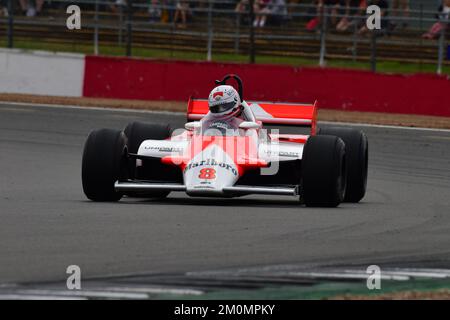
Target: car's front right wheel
pixel 104 162
pixel 357 154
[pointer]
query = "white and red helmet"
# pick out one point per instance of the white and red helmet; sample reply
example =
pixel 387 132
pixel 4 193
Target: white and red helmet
pixel 224 100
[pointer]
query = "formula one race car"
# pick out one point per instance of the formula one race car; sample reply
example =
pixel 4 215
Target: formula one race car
pixel 323 168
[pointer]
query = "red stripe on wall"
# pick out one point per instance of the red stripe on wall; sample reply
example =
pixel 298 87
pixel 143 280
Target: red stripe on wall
pixel 351 90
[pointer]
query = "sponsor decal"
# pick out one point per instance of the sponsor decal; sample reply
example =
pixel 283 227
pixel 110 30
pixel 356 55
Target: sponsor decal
pixel 211 163
pixel 288 154
pixel 284 153
pixel 164 149
pixel 220 125
pixel 217 95
pixel 203 187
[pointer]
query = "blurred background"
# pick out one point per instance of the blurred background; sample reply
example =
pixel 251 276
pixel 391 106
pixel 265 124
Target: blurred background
pixel 413 38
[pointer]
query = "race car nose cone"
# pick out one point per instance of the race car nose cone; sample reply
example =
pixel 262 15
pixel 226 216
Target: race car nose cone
pixel 209 172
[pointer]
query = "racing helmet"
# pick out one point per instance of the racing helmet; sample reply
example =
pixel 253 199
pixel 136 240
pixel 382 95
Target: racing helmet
pixel 223 101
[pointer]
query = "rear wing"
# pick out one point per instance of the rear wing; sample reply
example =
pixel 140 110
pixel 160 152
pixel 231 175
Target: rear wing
pixel 281 113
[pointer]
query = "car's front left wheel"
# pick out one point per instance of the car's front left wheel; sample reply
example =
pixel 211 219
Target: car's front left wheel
pixel 323 172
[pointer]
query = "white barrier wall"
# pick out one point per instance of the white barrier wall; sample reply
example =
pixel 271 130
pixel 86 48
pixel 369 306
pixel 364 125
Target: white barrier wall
pixel 43 73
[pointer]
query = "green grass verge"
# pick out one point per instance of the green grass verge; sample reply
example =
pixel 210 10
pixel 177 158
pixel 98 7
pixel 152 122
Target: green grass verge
pixel 324 290
pixel 382 66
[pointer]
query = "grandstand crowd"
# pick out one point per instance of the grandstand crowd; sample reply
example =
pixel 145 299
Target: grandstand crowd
pixel 342 14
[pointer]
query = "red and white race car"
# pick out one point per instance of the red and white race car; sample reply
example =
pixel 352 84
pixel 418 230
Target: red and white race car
pixel 322 168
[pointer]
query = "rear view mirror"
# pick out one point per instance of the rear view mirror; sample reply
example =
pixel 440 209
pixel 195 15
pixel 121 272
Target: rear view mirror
pixel 249 125
pixel 191 126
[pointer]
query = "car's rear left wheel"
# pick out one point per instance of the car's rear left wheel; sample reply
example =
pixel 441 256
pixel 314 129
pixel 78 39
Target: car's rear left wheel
pixel 152 169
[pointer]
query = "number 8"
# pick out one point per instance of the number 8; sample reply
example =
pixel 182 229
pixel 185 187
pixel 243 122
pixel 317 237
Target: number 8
pixel 207 173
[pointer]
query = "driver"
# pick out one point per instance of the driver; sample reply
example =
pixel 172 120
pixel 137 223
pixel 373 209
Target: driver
pixel 225 110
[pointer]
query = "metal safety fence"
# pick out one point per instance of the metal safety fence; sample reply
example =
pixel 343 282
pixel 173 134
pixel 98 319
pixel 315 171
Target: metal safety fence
pixel 240 30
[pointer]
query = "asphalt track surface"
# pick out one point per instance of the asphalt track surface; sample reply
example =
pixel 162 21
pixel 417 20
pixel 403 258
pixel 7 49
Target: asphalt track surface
pixel 48 224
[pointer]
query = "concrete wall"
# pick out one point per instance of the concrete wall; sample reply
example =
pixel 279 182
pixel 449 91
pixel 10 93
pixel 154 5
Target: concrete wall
pixel 41 73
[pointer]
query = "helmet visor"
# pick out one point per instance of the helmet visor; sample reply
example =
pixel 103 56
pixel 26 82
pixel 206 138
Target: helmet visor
pixel 222 107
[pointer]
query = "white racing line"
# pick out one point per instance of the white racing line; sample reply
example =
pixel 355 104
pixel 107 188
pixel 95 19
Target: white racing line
pixel 174 291
pixel 388 274
pixel 83 294
pixel 36 297
pixel 134 293
pixel 125 110
pixel 62 106
pixel 356 124
pixel 396 274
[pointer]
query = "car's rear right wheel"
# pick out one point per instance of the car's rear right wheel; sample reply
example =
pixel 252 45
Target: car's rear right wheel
pixel 357 154
pixel 323 172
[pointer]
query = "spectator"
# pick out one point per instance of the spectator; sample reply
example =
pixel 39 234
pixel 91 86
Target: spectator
pixel 154 11
pixel 274 11
pixel 353 10
pixel 333 10
pixel 181 11
pixel 3 8
pixel 384 6
pixel 167 10
pixel 442 23
pixel 118 4
pixel 278 12
pixel 400 8
pixel 30 10
pixel 261 10
pixel 242 8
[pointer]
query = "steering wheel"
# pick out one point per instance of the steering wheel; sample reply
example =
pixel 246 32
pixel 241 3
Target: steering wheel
pixel 237 79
